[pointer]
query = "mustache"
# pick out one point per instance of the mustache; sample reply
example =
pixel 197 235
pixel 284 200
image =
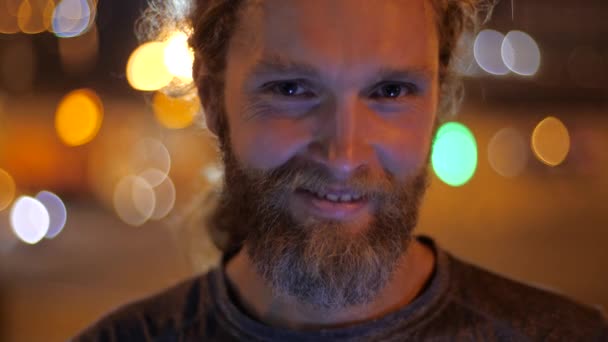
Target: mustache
pixel 301 174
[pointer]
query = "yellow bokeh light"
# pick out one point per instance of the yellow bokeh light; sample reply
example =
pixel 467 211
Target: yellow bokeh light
pixel 175 113
pixel 79 117
pixel 34 16
pixel 551 141
pixel 8 16
pixel 7 189
pixel 146 69
pixel 179 58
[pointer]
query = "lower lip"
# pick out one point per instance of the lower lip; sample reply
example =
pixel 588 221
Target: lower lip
pixel 333 210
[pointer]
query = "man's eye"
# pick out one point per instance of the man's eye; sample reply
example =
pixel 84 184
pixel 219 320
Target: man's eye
pixel 393 91
pixel 289 89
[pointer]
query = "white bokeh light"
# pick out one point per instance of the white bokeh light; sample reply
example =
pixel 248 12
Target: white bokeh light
pixel 72 18
pixel 149 156
pixel 520 53
pixel 508 152
pixel 179 58
pixel 29 220
pixel 134 200
pixel 487 52
pixel 164 193
pixel 213 173
pixel 58 213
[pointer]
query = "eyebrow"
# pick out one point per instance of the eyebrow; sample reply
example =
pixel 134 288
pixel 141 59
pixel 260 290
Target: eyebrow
pixel 279 65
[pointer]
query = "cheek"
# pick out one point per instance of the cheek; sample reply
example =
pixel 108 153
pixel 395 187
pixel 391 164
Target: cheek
pixel 267 144
pixel 408 154
pixel 407 143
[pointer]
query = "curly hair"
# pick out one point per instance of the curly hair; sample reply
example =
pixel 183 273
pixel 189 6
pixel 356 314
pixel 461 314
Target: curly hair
pixel 211 24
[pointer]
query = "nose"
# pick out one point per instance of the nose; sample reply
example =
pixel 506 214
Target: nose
pixel 342 139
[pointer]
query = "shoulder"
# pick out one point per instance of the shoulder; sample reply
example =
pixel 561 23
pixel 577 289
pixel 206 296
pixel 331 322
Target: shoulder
pixel 163 314
pixel 525 310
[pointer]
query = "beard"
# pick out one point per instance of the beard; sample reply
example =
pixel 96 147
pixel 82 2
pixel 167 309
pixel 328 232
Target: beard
pixel 319 262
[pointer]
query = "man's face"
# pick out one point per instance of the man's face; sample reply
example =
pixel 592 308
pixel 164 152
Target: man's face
pixel 331 107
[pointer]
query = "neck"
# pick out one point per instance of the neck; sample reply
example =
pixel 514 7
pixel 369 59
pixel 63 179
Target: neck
pixel 255 297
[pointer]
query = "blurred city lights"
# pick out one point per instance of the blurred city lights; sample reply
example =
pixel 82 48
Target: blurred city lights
pixel 57 212
pixel 487 52
pixel 8 16
pixel 34 16
pixel 164 192
pixel 551 141
pixel 151 154
pixel 72 18
pixel 454 156
pixel 508 152
pixel 79 54
pixel 521 53
pixel 175 113
pixel 134 200
pixel 213 173
pixel 29 220
pixel 7 189
pixel 178 57
pixel 79 117
pixel 146 69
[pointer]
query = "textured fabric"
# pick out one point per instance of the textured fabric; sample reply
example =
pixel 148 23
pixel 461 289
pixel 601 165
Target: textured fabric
pixel 460 303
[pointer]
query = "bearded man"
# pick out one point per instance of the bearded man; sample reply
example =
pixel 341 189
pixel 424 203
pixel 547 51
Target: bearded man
pixel 325 111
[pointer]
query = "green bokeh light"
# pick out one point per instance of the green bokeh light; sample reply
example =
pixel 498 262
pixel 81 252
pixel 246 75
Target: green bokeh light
pixel 454 155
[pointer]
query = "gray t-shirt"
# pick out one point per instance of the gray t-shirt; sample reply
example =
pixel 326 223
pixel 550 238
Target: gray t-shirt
pixel 461 302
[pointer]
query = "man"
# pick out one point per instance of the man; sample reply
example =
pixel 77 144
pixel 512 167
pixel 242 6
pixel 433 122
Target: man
pixel 325 112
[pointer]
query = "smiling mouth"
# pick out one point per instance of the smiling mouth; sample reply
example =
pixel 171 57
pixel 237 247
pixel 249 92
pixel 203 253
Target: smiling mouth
pixel 341 205
pixel 343 196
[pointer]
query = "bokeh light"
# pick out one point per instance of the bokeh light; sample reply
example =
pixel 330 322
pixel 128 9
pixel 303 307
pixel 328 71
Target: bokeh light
pixel 508 152
pixel 213 173
pixel 79 117
pixel 58 214
pixel 72 18
pixel 134 200
pixel 551 141
pixel 164 192
pixel 8 189
pixel 146 69
pixel 151 154
pixel 29 220
pixel 521 53
pixel 175 113
pixel 8 16
pixel 454 155
pixel 178 57
pixel 487 52
pixel 34 16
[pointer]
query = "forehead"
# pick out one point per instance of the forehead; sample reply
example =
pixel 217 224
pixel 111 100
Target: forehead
pixel 344 33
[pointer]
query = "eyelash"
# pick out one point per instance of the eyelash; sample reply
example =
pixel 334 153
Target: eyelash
pixel 409 90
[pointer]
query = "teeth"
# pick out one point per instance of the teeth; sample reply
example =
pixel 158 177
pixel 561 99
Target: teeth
pixel 336 198
pixel 345 198
pixel 331 197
